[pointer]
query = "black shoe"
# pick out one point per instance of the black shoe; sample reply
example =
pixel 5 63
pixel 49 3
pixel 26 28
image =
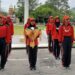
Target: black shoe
pixel 32 68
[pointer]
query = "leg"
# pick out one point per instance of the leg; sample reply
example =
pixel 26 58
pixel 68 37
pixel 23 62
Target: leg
pixel 34 56
pixel 58 49
pixel 54 48
pixel 64 56
pixel 49 43
pixel 3 56
pixel 69 53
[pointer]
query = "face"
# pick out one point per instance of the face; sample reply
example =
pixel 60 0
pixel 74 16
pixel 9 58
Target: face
pixel 33 22
pixel 51 20
pixel 66 22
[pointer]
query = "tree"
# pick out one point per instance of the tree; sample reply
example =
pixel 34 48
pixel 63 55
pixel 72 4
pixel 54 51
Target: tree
pixel 20 10
pixel 44 11
pixel 62 5
pixel 32 5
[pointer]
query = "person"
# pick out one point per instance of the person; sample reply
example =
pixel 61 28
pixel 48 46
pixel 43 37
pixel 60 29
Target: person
pixel 49 27
pixel 55 38
pixel 32 44
pixel 66 34
pixel 9 23
pixel 4 41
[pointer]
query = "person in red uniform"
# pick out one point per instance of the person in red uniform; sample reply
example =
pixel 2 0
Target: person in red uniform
pixel 32 52
pixel 10 25
pixel 4 41
pixel 66 33
pixel 55 38
pixel 26 38
pixel 49 28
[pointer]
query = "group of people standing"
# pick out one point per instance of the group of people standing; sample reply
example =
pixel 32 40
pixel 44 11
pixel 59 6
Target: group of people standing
pixel 60 40
pixel 6 32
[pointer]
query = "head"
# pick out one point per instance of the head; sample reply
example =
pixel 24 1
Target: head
pixel 51 19
pixel 32 21
pixel 66 20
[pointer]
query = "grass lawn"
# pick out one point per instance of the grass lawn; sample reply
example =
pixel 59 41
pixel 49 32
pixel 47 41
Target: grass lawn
pixel 18 30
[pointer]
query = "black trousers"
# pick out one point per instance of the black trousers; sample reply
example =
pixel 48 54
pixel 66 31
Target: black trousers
pixel 50 43
pixel 32 55
pixel 8 50
pixel 67 45
pixel 2 52
pixel 56 48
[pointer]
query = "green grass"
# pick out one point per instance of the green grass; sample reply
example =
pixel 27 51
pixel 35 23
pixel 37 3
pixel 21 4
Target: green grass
pixel 18 30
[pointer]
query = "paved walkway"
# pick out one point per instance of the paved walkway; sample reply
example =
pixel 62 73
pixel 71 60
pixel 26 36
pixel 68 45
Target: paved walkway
pixel 46 65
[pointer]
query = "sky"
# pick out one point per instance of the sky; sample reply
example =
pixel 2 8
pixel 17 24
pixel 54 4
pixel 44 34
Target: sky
pixel 6 3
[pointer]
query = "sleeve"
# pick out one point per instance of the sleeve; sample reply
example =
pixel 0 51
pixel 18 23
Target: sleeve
pixel 12 29
pixel 72 34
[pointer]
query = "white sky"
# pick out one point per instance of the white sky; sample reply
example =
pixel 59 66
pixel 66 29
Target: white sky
pixel 6 3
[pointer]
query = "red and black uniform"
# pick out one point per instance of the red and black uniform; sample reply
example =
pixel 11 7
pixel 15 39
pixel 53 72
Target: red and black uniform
pixel 4 41
pixel 32 52
pixel 10 25
pixel 66 34
pixel 55 38
pixel 49 28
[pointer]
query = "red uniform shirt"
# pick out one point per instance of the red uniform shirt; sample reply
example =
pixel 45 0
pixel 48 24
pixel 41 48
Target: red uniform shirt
pixel 66 31
pixel 55 33
pixel 49 28
pixel 11 26
pixel 4 33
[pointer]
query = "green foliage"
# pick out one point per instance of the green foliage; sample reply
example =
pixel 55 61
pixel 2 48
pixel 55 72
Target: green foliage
pixel 44 11
pixel 20 13
pixel 60 4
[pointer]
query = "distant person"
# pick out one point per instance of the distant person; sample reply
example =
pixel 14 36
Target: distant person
pixel 49 28
pixel 66 33
pixel 55 38
pixel 4 42
pixel 32 34
pixel 11 30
